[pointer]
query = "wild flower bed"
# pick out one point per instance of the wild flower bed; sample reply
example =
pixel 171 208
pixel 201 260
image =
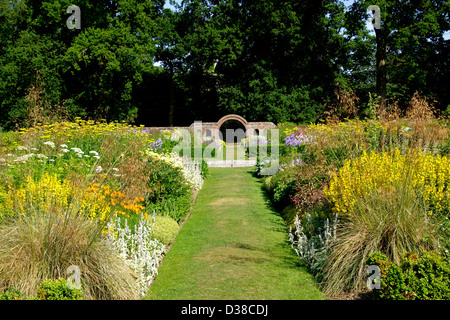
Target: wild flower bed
pixel 89 194
pixel 353 189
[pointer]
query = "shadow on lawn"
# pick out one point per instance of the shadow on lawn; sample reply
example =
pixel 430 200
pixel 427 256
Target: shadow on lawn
pixel 290 259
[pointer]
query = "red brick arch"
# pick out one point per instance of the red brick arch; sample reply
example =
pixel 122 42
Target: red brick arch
pixel 214 127
pixel 232 117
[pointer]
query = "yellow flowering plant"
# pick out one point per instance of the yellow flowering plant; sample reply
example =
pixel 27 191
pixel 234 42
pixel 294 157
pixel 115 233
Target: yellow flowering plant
pixel 81 129
pixel 389 172
pixel 50 193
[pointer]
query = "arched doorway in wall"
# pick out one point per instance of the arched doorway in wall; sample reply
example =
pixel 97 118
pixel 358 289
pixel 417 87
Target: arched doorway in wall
pixel 233 128
pixel 232 131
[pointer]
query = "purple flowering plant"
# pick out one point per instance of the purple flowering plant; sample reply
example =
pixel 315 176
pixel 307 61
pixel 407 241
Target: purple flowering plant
pixel 295 162
pixel 296 139
pixel 157 144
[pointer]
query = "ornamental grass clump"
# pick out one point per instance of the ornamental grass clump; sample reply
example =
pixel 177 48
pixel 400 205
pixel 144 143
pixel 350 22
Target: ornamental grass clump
pixel 43 245
pixel 385 206
pixel 333 144
pixel 389 223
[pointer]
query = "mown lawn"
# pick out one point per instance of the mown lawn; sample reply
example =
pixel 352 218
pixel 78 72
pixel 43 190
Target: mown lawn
pixel 230 152
pixel 233 246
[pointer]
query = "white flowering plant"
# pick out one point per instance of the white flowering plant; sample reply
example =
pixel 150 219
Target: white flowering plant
pixel 191 170
pixel 142 253
pixel 312 246
pixel 50 157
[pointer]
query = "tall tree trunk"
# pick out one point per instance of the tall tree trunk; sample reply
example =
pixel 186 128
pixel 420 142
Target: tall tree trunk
pixel 381 56
pixel 171 97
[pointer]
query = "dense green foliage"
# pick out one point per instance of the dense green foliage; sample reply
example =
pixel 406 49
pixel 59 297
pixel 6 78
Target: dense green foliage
pixel 424 277
pixel 274 60
pixel 50 289
pixel 11 294
pixel 164 181
pixel 58 290
pixel 165 229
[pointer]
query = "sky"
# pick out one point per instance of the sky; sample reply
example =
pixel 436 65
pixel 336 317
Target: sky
pixel 167 5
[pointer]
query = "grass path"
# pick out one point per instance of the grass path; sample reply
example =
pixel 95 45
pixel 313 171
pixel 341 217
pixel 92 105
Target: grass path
pixel 230 152
pixel 234 246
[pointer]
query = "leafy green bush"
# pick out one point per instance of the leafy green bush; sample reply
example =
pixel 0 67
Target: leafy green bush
pixel 280 187
pixel 58 289
pixel 50 289
pixel 165 181
pixel 424 277
pixel 12 294
pixel 260 165
pixel 165 229
pixel 283 190
pixel 175 207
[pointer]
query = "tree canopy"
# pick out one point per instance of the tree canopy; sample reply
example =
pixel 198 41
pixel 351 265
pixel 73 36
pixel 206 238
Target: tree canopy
pixel 274 60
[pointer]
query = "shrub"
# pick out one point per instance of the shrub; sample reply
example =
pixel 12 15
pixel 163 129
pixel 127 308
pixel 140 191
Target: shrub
pixel 424 277
pixel 12 294
pixel 165 229
pixel 280 187
pixel 283 191
pixel 172 176
pixel 165 180
pixel 176 208
pixel 58 290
